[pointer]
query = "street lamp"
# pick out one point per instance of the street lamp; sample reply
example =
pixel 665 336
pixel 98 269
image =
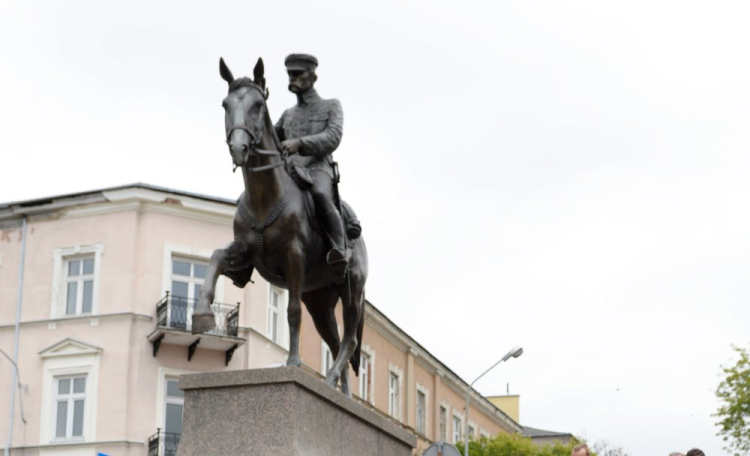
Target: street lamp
pixel 514 352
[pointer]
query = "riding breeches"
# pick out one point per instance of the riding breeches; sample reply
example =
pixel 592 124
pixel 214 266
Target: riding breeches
pixel 325 204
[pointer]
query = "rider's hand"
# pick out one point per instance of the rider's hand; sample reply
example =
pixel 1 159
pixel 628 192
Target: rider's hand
pixel 291 146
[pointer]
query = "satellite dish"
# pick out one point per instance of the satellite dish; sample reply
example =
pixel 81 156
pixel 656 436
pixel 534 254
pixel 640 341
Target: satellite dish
pixel 441 449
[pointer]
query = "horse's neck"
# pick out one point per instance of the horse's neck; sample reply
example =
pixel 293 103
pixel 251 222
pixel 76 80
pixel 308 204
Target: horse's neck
pixel 264 188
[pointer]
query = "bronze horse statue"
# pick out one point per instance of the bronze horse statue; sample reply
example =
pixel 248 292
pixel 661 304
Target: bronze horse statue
pixel 276 233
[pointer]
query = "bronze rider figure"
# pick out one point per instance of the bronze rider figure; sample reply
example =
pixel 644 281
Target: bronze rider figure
pixel 311 131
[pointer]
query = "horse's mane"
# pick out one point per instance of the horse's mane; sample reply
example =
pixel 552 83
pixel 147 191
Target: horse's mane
pixel 247 82
pixel 243 82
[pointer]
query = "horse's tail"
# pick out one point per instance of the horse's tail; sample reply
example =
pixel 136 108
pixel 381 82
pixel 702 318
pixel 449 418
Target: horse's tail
pixel 356 357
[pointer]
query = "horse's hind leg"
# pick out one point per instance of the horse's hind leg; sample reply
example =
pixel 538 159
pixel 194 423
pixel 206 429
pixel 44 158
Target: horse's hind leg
pixel 353 313
pixel 322 305
pixel 234 253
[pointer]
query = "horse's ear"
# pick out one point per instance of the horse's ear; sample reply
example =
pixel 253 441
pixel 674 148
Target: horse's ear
pixel 224 71
pixel 258 73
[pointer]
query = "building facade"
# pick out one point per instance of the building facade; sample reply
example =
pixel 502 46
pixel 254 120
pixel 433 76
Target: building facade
pixel 108 281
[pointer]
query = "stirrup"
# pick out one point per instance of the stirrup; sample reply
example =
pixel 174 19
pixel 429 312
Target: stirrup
pixel 336 260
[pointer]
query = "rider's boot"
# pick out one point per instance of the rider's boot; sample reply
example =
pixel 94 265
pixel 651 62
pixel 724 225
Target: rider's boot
pixel 336 257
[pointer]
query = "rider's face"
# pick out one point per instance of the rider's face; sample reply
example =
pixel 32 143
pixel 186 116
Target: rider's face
pixel 300 81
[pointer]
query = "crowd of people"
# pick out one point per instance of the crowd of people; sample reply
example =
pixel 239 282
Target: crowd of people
pixel 583 450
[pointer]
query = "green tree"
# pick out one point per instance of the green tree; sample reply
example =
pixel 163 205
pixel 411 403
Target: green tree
pixel 515 445
pixel 734 409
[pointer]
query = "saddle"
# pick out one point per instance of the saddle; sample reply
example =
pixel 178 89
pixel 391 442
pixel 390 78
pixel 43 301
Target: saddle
pixel 304 181
pixel 300 175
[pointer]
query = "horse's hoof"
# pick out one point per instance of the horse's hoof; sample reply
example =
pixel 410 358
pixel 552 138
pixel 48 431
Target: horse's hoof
pixel 294 361
pixel 203 323
pixel 332 380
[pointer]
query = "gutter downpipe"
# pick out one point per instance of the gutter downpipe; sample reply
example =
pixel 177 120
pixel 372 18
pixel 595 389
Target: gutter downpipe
pixel 14 385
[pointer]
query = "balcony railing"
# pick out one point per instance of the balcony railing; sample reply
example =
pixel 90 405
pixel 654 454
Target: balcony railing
pixel 163 444
pixel 176 312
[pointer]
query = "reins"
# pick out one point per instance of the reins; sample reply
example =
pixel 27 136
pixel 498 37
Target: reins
pixel 253 149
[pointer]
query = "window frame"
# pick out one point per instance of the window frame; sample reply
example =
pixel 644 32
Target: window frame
pixel 190 253
pixel 191 280
pixel 325 356
pixel 70 399
pixel 191 300
pixel 458 431
pixel 282 332
pixel 394 400
pixel 425 417
pixel 60 260
pixel 80 280
pixel 443 417
pixel 174 400
pixel 164 374
pixel 370 353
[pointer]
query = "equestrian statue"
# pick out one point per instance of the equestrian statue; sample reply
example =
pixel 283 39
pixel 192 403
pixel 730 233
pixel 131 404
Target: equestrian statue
pixel 290 224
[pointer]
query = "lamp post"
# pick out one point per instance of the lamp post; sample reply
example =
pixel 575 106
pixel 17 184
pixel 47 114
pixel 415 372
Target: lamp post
pixel 514 352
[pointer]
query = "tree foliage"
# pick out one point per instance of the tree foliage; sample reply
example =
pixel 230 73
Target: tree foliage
pixel 734 409
pixel 515 445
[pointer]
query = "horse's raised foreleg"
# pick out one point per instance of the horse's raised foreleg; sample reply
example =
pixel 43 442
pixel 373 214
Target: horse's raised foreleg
pixel 295 280
pixel 234 253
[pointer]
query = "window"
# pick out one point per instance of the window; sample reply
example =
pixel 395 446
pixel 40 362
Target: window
pixel 364 377
pixel 174 399
pixel 70 375
pixel 187 279
pixel 471 432
pixel 75 280
pixel 326 358
pixel 457 433
pixel 79 285
pixel 393 394
pixel 443 424
pixel 421 412
pixel 170 401
pixel 70 399
pixel 274 314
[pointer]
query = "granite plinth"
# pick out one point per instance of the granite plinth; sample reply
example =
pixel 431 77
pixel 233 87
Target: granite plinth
pixel 281 412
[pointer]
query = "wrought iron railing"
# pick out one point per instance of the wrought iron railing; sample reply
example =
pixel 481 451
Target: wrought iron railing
pixel 176 312
pixel 163 444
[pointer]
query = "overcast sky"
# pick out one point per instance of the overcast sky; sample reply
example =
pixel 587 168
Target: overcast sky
pixel 570 176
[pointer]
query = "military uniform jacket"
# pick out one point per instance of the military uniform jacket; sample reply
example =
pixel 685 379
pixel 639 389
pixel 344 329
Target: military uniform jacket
pixel 318 124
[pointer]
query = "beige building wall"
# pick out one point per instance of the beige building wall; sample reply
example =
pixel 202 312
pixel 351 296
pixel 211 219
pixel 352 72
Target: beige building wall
pixel 133 233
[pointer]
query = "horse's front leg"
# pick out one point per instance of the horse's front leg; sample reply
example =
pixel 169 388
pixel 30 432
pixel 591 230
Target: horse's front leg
pixel 203 316
pixel 295 280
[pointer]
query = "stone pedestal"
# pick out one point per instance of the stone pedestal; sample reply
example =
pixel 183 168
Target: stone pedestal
pixel 281 412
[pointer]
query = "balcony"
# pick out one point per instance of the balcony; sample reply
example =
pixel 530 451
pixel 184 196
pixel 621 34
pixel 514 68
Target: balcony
pixel 163 444
pixel 173 325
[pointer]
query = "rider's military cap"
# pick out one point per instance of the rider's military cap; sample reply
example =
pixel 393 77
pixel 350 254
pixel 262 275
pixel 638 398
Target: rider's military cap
pixel 300 62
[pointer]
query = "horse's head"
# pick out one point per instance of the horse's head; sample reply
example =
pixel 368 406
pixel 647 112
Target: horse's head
pixel 245 109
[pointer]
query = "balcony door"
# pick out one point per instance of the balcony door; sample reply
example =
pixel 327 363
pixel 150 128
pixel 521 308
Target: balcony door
pixel 187 279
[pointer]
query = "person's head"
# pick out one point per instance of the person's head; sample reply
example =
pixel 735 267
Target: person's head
pixel 581 450
pixel 695 452
pixel 301 71
pixel 676 453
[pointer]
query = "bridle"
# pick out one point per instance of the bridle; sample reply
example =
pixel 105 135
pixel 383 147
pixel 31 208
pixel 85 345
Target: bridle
pixel 253 147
